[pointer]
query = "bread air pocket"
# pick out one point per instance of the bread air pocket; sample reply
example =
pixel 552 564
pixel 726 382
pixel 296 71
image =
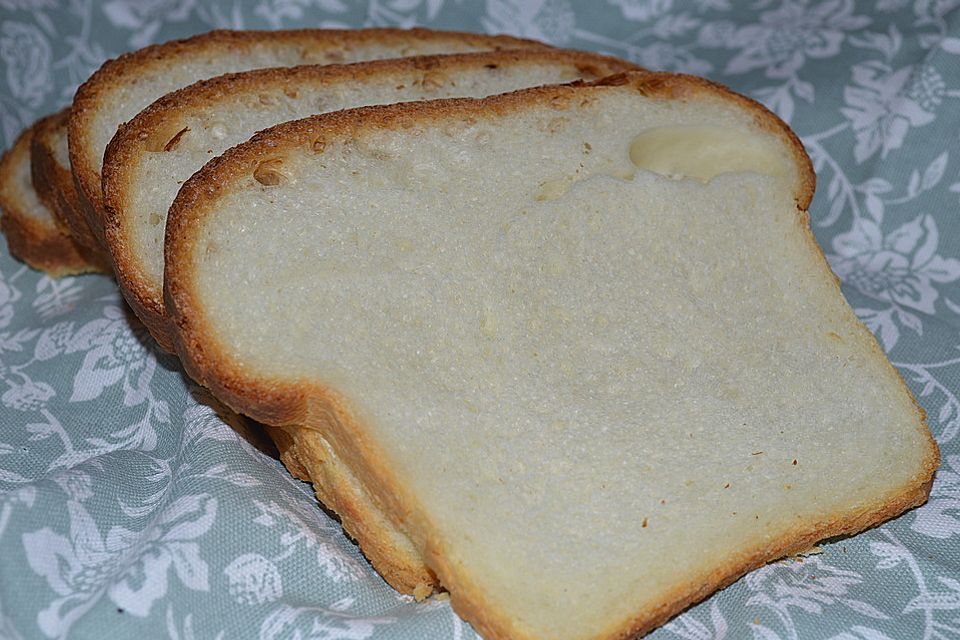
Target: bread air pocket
pixel 702 152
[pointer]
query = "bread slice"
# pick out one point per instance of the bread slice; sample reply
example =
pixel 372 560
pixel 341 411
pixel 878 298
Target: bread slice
pixel 50 172
pixel 32 233
pixel 578 342
pixel 152 155
pixel 125 85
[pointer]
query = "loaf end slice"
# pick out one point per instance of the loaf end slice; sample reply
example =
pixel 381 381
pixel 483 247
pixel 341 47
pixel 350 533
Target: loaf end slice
pixel 120 88
pixel 151 156
pixel 32 233
pixel 577 343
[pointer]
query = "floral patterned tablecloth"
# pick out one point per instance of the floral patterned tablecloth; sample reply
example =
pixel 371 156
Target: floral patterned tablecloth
pixel 129 509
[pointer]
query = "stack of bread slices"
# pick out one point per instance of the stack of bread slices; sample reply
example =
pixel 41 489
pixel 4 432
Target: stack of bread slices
pixel 546 330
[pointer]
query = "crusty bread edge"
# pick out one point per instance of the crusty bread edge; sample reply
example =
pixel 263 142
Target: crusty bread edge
pixel 43 165
pixel 117 71
pixel 44 247
pixel 53 183
pixel 121 159
pixel 309 404
pixel 309 457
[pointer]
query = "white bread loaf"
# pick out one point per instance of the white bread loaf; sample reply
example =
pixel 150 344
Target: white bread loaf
pixel 152 155
pixel 120 88
pixel 577 343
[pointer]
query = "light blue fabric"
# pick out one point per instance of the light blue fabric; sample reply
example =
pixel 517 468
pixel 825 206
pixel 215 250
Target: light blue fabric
pixel 128 509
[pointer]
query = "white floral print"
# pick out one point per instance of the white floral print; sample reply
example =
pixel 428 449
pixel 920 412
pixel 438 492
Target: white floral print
pixel 28 396
pixel 331 623
pixel 26 53
pixel 144 17
pixel 82 567
pixel 117 355
pixel 550 20
pixel 884 103
pixel 77 568
pixel 643 10
pixel 902 267
pixel 8 296
pixel 809 585
pixel 254 579
pixel 168 545
pixel 784 38
pixel 940 518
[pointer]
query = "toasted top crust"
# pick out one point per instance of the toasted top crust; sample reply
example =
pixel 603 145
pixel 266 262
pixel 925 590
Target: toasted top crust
pixel 123 86
pixel 165 143
pixel 358 252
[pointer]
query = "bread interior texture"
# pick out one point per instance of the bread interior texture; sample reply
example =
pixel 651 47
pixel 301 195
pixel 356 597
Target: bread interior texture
pixel 601 373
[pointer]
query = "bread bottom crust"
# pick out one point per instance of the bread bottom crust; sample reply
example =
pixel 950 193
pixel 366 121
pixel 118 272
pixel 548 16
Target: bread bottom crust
pixel 308 456
pixel 44 248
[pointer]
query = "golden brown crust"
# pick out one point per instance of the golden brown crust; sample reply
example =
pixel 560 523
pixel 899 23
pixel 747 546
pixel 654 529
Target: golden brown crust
pixel 42 245
pixel 310 458
pixel 53 183
pixel 315 407
pixel 791 542
pixel 115 72
pixel 43 165
pixel 169 111
pixel 136 293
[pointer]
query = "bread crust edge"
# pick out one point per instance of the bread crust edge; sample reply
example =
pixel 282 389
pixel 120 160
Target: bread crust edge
pixel 43 165
pixel 44 247
pixel 309 457
pixel 54 186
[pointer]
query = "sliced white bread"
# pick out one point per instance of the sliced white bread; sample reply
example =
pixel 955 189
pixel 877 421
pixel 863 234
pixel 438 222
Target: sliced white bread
pixel 50 172
pixel 577 343
pixel 157 151
pixel 32 233
pixel 125 85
